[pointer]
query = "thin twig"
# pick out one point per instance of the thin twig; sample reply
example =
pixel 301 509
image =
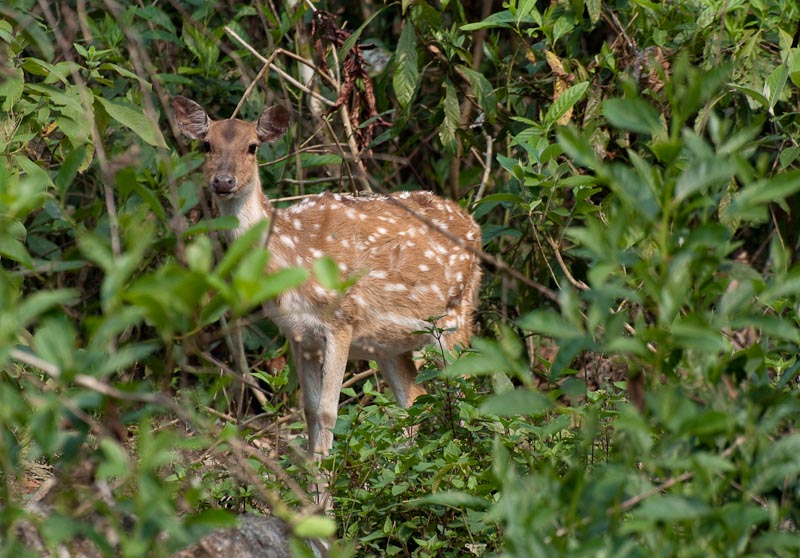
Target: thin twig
pixel 268 62
pixel 557 253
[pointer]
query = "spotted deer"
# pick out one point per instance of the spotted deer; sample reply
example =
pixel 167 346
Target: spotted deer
pixel 408 271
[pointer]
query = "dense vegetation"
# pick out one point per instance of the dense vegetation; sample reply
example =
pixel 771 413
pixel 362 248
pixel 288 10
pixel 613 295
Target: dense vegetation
pixel 633 389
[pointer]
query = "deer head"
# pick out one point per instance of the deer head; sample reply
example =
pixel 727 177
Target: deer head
pixel 231 146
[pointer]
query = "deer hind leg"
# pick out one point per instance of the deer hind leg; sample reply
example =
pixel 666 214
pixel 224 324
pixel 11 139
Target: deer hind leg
pixel 400 373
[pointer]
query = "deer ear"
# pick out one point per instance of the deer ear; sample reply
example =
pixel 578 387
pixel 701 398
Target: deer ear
pixel 273 123
pixel 192 118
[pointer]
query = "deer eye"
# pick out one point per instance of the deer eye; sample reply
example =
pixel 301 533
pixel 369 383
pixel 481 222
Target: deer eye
pixel 252 148
pixel 206 147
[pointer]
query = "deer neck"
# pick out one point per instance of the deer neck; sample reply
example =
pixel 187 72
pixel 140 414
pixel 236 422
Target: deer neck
pixel 250 207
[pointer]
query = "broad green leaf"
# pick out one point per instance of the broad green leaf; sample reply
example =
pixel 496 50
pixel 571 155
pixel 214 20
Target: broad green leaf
pixel 576 147
pixel 486 359
pixel 777 463
pixel 753 94
pixel 594 7
pixel 200 255
pixel 327 272
pixel 451 498
pixel 501 198
pixel 452 118
pixel 221 223
pixel 114 463
pixel 54 341
pixel 773 189
pixel 630 187
pixel 636 115
pixel 522 402
pixel 11 87
pixel 278 283
pixel 40 302
pixel 483 90
pixel 14 250
pixel 564 103
pixel 248 275
pixel 775 84
pixel 776 327
pixel 498 19
pixel 313 526
pixel 135 120
pixel 692 332
pixel 252 238
pixel 406 73
pixel 73 162
pixel 212 518
pixel 552 324
pixel 671 508
pixel 124 357
pixel 350 41
pixel 699 175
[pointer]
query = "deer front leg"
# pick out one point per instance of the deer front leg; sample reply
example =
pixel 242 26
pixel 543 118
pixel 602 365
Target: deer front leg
pixel 334 362
pixel 308 364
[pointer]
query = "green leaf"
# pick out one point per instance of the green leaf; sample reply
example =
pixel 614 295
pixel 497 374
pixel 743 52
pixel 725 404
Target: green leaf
pixel 40 302
pixel 777 464
pixel 753 94
pixel 54 341
pixel 502 198
pixel 671 508
pixel 483 90
pixel 576 147
pixel 135 120
pixel 775 84
pixel 552 324
pixel 11 88
pixel 633 190
pixel 114 462
pixel 212 518
pixel 594 7
pixel 520 402
pixel 313 526
pixel 634 114
pixel 327 272
pixel 699 175
pixel 277 283
pixel 350 41
pixel 503 19
pixel 452 499
pixel 15 250
pixel 692 332
pixel 252 238
pixel 564 103
pixel 452 118
pixel 73 162
pixel 406 73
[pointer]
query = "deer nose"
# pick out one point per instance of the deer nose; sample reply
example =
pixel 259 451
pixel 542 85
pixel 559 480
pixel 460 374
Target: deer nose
pixel 223 183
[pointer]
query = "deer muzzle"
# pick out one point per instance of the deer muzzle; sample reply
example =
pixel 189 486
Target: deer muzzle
pixel 223 184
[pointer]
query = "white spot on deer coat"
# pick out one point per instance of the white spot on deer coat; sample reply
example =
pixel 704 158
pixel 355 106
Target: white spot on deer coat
pixel 394 287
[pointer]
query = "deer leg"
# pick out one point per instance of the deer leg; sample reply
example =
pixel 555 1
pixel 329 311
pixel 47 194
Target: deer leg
pixel 337 349
pixel 308 365
pixel 400 373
